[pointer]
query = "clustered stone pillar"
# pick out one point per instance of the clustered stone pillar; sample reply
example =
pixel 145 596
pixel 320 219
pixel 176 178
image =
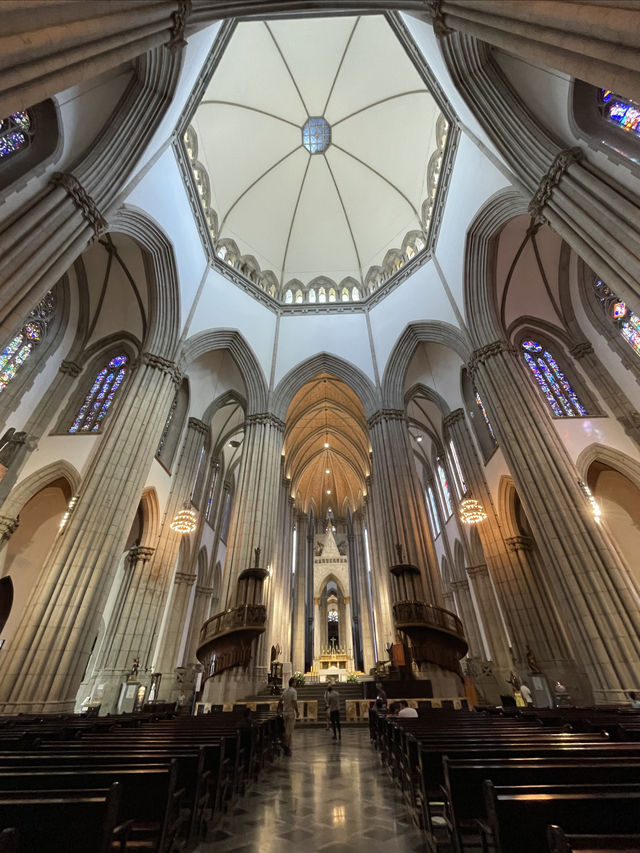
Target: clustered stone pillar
pixel 46 659
pixel 466 611
pixel 299 617
pixel 589 585
pixel 199 615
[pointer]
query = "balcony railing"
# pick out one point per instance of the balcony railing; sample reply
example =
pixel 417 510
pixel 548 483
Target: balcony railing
pixel 247 617
pixel 225 639
pixel 419 614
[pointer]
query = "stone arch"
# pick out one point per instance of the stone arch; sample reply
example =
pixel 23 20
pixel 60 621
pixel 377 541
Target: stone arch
pixel 230 396
pixel 481 309
pixel 243 355
pixel 330 577
pixel 162 277
pixel 507 495
pixel 337 367
pixel 425 331
pixel 202 565
pixel 37 481
pixel 429 394
pixel 459 559
pixel 621 462
pixel 150 517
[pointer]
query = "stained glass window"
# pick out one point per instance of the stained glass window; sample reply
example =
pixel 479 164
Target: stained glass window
pixel 620 111
pixel 100 397
pixel 18 350
pixel 316 135
pixel 559 393
pixel 15 133
pixel 445 491
pixel 167 424
pixel 480 405
pixel 461 486
pixel 212 488
pixel 433 512
pixel 627 322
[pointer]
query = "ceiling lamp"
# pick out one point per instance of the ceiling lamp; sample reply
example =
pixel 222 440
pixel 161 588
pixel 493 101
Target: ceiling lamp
pixel 472 511
pixel 185 521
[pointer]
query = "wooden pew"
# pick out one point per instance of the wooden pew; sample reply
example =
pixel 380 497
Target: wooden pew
pixel 559 842
pixel 62 821
pixel 517 817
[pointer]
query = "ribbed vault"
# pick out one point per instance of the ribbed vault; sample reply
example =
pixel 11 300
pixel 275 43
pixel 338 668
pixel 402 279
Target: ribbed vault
pixel 326 448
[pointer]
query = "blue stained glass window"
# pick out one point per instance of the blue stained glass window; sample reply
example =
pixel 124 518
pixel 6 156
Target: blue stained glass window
pixel 100 397
pixel 627 322
pixel 557 389
pixel 15 133
pixel 620 111
pixel 17 351
pixel 316 135
pixel 445 491
pixel 435 522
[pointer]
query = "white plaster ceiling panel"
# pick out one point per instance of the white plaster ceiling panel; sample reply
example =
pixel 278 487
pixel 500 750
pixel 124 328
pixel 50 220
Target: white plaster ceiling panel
pixel 303 213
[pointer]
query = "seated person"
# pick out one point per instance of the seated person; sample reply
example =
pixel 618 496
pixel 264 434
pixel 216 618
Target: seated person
pixel 405 710
pixel 633 698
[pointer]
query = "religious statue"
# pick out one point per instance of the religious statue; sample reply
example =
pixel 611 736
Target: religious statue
pixel 532 663
pixel 256 557
pixel 399 550
pixel 135 667
pixel 318 549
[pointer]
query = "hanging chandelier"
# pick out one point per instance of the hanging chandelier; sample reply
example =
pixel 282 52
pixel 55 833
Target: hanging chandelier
pixel 472 511
pixel 185 521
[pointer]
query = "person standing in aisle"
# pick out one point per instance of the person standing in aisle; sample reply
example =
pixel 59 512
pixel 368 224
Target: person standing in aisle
pixel 333 703
pixel 290 714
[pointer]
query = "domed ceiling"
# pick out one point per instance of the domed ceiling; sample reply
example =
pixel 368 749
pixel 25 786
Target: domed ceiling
pixel 316 150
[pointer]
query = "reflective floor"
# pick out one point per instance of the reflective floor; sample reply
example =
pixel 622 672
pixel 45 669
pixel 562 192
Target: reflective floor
pixel 330 795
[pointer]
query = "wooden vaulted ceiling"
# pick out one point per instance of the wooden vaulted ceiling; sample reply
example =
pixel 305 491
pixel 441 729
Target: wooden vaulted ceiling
pixel 327 412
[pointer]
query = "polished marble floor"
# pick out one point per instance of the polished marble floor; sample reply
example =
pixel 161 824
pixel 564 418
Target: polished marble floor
pixel 329 795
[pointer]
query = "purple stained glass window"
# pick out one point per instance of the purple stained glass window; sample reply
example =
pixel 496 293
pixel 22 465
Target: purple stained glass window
pixel 558 391
pixel 17 351
pixel 16 132
pixel 100 397
pixel 620 111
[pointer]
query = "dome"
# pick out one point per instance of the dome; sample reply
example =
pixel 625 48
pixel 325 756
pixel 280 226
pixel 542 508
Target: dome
pixel 316 148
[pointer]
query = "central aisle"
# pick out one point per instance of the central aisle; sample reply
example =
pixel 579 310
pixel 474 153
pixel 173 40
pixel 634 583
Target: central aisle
pixel 330 795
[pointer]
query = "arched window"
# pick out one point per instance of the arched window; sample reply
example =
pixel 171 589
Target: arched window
pixel 355 294
pixel 30 336
pixel 299 297
pixel 445 492
pixel 16 132
pixel 322 296
pixel 433 512
pixel 172 430
pixel 625 320
pixel 458 479
pixel 558 392
pixel 608 120
pixel 312 295
pixel 288 297
pixel 620 111
pixel 100 396
pixel 485 416
pixel 345 294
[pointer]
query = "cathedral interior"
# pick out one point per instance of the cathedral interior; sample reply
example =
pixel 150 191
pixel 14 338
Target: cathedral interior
pixel 320 353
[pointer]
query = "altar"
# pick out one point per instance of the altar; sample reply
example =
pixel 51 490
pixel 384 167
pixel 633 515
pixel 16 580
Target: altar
pixel 333 665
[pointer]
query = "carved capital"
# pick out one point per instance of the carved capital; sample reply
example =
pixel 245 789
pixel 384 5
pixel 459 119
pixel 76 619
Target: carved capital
pixel 550 181
pixel 185 578
pixel 477 571
pixel 434 10
pixel 180 17
pixel 483 354
pixel 198 426
pixel 8 527
pixel 150 359
pixel 519 543
pixel 581 350
pixel 265 419
pixel 453 417
pixel 70 368
pixel 205 590
pixel 82 200
pixel 386 415
pixel 459 585
pixel 140 554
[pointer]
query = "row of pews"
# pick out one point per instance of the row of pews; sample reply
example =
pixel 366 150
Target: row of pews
pixel 127 783
pixel 559 781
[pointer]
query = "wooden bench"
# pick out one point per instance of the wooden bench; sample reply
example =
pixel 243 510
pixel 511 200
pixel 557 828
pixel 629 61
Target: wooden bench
pixel 559 842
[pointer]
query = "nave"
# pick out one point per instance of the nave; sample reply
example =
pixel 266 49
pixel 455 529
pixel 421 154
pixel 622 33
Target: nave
pixel 332 796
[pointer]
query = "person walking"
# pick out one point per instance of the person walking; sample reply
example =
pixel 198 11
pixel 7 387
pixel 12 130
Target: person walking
pixel 333 703
pixel 290 714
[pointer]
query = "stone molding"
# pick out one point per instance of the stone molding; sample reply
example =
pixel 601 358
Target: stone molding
pixel 434 9
pixel 185 578
pixel 550 181
pixel 8 527
pixel 479 571
pixel 157 361
pixel 265 419
pixel 581 350
pixel 70 368
pixel 82 200
pixel 198 426
pixel 519 543
pixel 461 584
pixel 140 554
pixel 453 417
pixel 205 590
pixel 386 415
pixel 180 18
pixel 483 354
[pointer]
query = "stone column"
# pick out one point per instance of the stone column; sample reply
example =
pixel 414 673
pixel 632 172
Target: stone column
pixel 164 560
pixel 396 490
pixel 588 41
pixel 612 394
pixel 299 618
pixel 199 615
pixel 174 629
pixel 45 660
pixel 586 579
pixel 379 578
pixel 317 628
pixel 60 44
pixel 467 613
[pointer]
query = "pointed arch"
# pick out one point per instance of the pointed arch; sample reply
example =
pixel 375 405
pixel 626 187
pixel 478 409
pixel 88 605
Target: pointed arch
pixel 37 481
pixel 243 355
pixel 621 462
pixel 150 517
pixel 507 497
pixel 431 331
pixel 324 362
